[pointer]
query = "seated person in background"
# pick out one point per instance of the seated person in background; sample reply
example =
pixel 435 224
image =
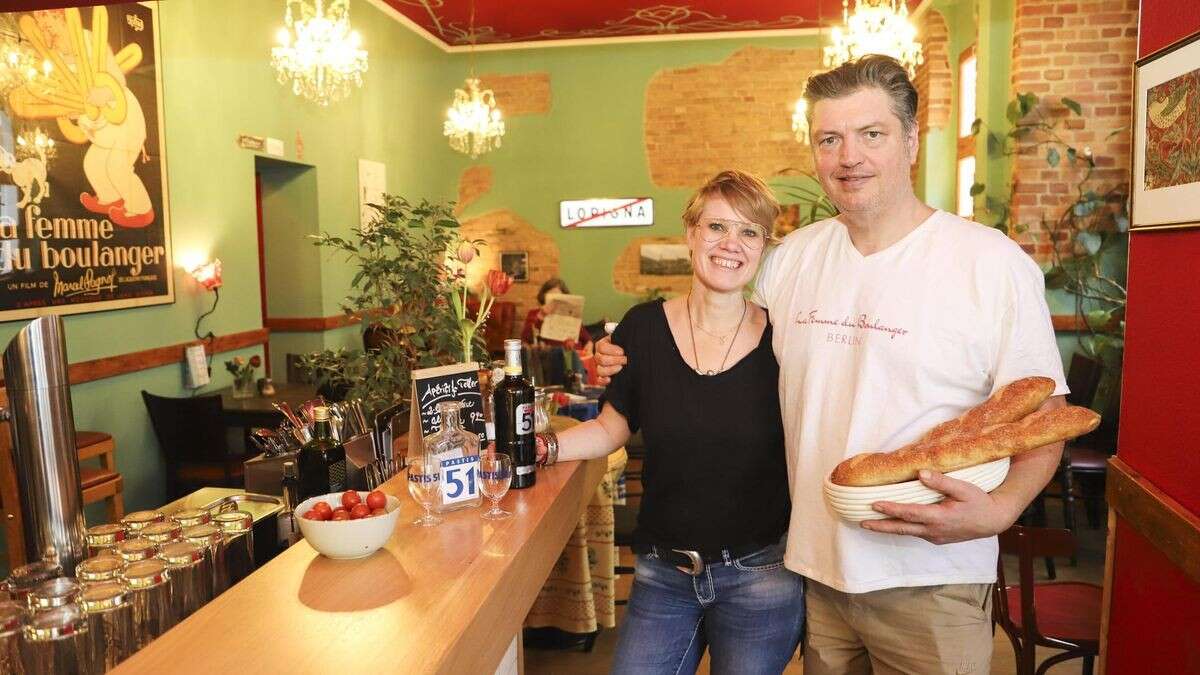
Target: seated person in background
pixel 533 320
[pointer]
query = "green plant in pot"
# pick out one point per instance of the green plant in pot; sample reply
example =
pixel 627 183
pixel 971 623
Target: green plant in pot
pixel 400 292
pixel 1090 234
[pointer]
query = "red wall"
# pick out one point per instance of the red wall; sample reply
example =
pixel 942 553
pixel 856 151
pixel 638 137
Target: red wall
pixel 1155 611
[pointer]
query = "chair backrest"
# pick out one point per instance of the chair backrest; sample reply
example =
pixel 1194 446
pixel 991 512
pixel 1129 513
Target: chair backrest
pixel 1028 544
pixel 501 325
pixel 1083 378
pixel 188 429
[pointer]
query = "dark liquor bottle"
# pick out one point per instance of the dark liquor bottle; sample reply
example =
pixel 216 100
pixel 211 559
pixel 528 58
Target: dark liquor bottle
pixel 290 487
pixel 513 407
pixel 322 460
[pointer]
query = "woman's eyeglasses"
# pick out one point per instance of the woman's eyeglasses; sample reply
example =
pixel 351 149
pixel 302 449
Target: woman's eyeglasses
pixel 752 235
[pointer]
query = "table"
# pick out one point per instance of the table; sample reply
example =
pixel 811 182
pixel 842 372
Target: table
pixel 257 410
pixel 446 599
pixel 580 594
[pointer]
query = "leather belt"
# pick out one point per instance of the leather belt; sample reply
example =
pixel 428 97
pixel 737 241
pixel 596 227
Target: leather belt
pixel 695 562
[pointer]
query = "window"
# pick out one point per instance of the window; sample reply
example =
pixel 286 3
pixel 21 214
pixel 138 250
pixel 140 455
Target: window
pixel 967 70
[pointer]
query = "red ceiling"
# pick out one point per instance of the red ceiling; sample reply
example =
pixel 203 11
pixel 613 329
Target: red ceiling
pixel 536 20
pixel 509 21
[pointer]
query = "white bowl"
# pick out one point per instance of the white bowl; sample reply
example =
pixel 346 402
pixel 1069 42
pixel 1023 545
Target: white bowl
pixel 909 489
pixel 854 503
pixel 347 539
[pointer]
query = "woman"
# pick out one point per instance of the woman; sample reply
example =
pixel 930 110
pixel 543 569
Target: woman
pixel 700 384
pixel 535 317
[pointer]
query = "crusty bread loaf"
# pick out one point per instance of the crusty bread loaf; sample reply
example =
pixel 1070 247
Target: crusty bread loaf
pixel 959 451
pixel 1010 403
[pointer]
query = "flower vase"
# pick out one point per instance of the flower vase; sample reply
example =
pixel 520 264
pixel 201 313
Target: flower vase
pixel 243 387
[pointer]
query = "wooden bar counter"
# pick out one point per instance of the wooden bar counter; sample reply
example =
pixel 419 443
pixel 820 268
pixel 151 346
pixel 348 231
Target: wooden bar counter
pixel 445 599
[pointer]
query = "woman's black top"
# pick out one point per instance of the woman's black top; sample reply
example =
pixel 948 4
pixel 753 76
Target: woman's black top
pixel 715 473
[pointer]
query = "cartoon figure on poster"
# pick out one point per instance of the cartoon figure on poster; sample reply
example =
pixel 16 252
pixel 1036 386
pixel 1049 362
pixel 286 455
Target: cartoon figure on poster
pixel 86 94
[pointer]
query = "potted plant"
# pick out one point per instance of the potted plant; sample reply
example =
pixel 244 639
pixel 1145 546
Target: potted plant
pixel 401 290
pixel 1090 234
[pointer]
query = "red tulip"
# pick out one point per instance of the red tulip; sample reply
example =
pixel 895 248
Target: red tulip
pixel 498 282
pixel 255 361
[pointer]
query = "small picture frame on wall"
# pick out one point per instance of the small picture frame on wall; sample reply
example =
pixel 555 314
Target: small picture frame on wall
pixel 515 264
pixel 1165 191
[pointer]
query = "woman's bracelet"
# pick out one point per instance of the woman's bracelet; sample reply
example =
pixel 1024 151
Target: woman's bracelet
pixel 550 439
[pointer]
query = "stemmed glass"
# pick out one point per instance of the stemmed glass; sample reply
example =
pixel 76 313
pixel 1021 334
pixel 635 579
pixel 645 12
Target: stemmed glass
pixel 495 474
pixel 424 484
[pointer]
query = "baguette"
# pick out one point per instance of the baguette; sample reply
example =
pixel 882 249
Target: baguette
pixel 1010 403
pixel 959 451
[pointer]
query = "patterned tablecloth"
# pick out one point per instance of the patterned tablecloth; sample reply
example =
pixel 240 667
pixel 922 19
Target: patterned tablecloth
pixel 578 596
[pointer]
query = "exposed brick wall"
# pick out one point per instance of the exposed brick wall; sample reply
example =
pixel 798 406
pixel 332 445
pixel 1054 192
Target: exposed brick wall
pixel 475 181
pixel 1081 50
pixel 520 94
pixel 736 114
pixel 506 231
pixel 628 278
pixel 934 80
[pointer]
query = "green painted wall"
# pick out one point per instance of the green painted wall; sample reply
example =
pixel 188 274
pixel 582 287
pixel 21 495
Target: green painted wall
pixel 590 145
pixel 217 84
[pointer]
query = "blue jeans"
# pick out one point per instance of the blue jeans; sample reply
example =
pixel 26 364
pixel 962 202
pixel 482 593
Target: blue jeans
pixel 748 610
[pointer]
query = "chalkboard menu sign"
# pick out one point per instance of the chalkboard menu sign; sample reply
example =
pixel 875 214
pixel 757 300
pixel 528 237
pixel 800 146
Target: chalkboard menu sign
pixel 431 386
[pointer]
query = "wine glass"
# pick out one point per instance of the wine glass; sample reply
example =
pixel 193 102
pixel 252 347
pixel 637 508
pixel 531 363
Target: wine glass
pixel 495 474
pixel 424 484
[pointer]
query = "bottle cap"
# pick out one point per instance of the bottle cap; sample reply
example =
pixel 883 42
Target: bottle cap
pixel 320 414
pixel 289 469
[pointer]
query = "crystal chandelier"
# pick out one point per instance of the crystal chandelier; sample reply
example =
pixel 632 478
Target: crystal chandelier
pixel 318 51
pixel 473 122
pixel 876 27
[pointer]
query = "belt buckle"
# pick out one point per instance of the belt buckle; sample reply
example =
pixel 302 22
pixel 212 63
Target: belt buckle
pixel 697 562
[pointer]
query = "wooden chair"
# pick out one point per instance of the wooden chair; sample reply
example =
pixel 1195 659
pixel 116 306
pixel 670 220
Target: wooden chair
pixel 102 483
pixel 96 484
pixel 1056 614
pixel 191 434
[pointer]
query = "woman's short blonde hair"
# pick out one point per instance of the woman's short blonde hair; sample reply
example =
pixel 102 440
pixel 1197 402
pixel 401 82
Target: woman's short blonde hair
pixel 746 193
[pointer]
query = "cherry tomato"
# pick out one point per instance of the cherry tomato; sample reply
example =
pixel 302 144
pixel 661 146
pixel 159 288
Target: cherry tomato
pixel 350 498
pixel 376 500
pixel 313 514
pixel 341 514
pixel 360 511
pixel 323 507
pixel 378 512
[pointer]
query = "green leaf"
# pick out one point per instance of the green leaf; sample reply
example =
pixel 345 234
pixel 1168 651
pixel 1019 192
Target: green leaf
pixel 1029 101
pixel 976 126
pixel 995 145
pixel 1122 222
pixel 1090 241
pixel 1052 157
pixel 1013 112
pixel 1073 105
pixel 977 189
pixel 1098 319
pixel 1071 155
pixel 1056 277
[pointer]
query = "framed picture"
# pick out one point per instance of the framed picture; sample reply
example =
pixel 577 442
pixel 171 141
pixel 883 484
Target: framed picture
pixel 515 264
pixel 1166 127
pixel 664 259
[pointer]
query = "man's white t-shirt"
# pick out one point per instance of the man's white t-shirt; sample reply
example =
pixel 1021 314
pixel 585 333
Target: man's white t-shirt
pixel 874 351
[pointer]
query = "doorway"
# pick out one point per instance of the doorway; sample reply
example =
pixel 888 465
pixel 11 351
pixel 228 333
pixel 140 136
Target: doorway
pixel 289 265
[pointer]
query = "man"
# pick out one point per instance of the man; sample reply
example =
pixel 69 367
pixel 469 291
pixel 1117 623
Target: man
pixel 889 319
